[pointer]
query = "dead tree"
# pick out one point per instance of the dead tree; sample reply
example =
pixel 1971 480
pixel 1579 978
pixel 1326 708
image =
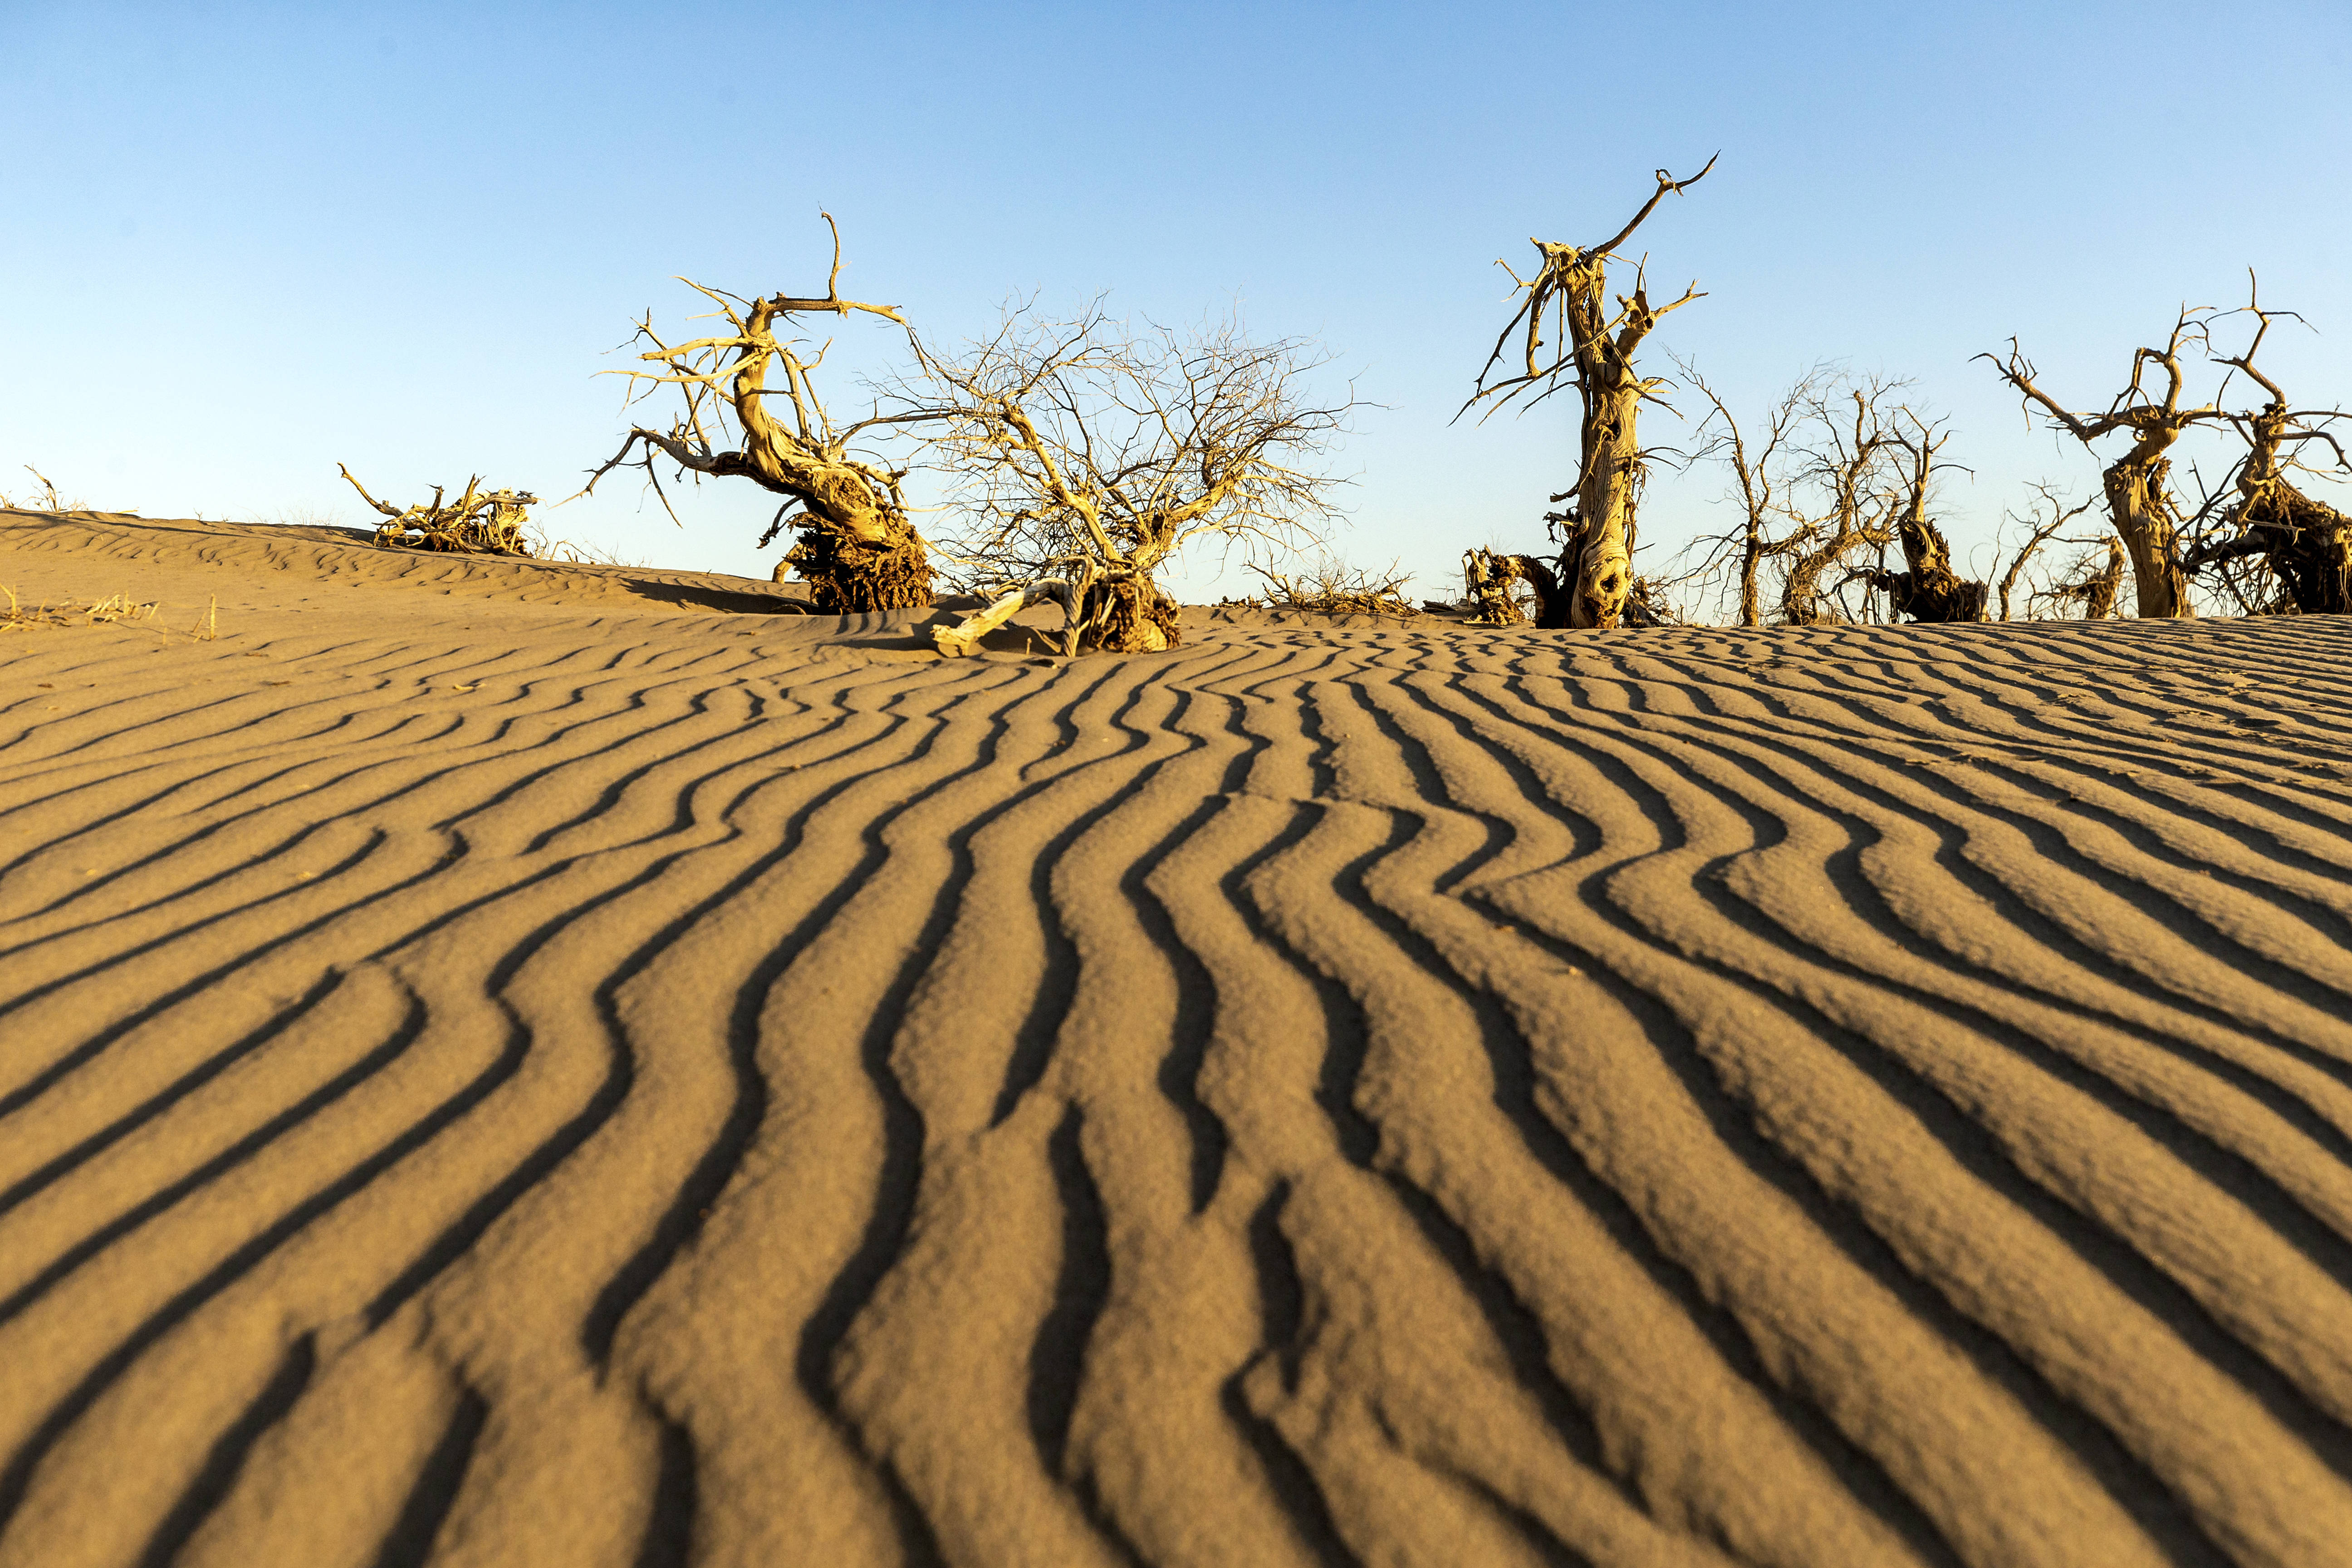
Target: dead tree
pixel 1488 577
pixel 1087 454
pixel 478 522
pixel 1761 488
pixel 1491 578
pixel 1593 348
pixel 2306 543
pixel 2038 534
pixel 1929 590
pixel 856 546
pixel 2093 586
pixel 1846 467
pixel 2138 484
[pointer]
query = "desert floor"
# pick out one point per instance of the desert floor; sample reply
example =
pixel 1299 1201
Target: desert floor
pixel 510 1064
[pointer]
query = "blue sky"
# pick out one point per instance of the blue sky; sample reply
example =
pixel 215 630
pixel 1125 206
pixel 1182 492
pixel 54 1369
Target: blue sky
pixel 241 244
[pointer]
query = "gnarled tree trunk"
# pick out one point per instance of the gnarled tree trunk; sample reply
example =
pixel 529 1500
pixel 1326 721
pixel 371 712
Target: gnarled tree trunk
pixel 1488 576
pixel 2139 503
pixel 1597 559
pixel 2308 544
pixel 1596 348
pixel 856 549
pixel 1930 590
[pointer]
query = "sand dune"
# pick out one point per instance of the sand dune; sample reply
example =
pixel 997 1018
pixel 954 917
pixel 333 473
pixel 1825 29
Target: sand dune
pixel 505 1064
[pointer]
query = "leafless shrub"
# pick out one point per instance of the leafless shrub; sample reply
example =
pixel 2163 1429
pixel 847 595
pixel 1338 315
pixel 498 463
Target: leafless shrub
pixel 2138 485
pixel 2088 588
pixel 1086 453
pixel 2276 548
pixel 2047 514
pixel 1840 474
pixel 1332 587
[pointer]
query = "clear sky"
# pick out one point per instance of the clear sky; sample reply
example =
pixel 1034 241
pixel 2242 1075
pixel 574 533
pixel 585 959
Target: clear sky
pixel 241 244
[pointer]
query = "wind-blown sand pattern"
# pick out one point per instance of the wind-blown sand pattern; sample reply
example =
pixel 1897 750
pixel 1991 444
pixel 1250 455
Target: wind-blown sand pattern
pixel 504 1064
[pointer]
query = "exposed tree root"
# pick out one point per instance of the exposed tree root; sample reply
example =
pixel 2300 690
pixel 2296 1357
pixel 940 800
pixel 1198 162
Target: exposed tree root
pixel 478 522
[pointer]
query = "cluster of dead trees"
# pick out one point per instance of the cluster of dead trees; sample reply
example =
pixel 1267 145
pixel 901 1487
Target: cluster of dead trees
pixel 1081 454
pixel 1839 473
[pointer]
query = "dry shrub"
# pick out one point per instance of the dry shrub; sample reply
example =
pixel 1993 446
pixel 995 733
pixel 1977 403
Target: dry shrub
pixel 1087 453
pixel 1332 587
pixel 570 552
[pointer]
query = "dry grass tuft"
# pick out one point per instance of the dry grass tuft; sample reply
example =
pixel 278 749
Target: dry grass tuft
pixel 48 500
pixel 114 607
pixel 568 552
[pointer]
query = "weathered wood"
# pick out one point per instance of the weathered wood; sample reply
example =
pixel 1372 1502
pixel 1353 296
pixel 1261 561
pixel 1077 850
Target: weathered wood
pixel 478 522
pixel 1089 453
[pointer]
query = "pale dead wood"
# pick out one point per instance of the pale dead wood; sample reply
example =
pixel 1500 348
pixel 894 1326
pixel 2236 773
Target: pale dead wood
pixel 1490 584
pixel 2092 582
pixel 1843 462
pixel 1841 471
pixel 855 545
pixel 1595 349
pixel 1332 588
pixel 1928 589
pixel 478 522
pixel 1759 489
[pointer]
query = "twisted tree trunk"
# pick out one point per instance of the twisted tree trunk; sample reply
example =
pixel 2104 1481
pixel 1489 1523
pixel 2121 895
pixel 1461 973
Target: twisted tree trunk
pixel 2308 542
pixel 2140 502
pixel 1596 348
pixel 1597 561
pixel 1930 590
pixel 2137 484
pixel 856 549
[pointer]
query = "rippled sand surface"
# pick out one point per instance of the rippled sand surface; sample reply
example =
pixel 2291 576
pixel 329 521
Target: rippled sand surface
pixel 504 1064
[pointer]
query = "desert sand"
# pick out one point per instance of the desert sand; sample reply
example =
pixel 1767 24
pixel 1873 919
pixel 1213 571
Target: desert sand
pixel 515 1064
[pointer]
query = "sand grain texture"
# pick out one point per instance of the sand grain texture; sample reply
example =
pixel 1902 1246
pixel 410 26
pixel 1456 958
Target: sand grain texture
pixel 505 1064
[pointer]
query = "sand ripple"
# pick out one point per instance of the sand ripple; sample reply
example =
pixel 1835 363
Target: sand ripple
pixel 511 1065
